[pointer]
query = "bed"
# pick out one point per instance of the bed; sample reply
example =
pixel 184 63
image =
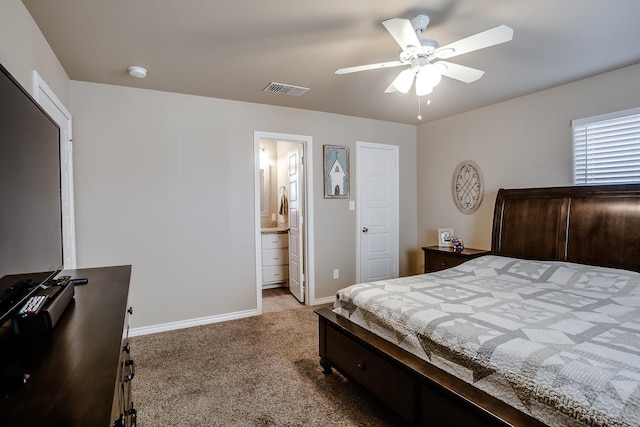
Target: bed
pixel 543 331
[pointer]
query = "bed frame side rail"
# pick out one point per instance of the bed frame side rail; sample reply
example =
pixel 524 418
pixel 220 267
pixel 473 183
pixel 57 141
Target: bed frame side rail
pixel 419 392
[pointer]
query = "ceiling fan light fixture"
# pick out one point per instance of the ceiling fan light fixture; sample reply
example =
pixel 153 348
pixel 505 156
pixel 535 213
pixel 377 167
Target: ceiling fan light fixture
pixel 422 90
pixel 427 78
pixel 404 80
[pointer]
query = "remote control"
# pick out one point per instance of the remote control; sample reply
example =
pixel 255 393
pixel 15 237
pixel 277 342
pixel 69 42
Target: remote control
pixel 33 305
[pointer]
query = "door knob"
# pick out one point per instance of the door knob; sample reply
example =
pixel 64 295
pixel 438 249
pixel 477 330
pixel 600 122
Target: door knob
pixel 365 229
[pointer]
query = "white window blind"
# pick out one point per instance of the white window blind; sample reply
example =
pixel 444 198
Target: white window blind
pixel 606 148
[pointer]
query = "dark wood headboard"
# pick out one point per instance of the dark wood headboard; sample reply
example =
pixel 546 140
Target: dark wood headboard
pixel 596 225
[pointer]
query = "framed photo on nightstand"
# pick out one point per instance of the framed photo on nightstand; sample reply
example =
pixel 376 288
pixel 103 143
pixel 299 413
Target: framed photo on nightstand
pixel 445 236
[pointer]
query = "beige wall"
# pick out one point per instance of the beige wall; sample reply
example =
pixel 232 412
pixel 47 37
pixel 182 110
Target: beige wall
pixel 24 49
pixel 165 182
pixel 523 142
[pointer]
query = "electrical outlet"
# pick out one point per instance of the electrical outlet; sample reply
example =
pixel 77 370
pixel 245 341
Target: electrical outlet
pixel 336 274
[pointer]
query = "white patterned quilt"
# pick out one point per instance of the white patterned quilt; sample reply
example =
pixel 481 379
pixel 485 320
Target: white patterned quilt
pixel 557 340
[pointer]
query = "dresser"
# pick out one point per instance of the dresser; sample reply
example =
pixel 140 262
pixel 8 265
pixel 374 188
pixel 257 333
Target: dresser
pixel 438 258
pixel 80 372
pixel 275 258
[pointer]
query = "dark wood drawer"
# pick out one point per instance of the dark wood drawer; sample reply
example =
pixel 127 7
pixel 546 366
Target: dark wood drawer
pixel 379 377
pixel 440 408
pixel 436 258
pixel 436 262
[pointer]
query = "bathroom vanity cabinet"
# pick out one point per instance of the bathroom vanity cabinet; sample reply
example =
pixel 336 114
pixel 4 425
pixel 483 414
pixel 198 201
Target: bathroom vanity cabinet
pixel 275 258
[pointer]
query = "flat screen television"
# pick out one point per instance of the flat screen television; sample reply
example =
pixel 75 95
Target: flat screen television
pixel 30 196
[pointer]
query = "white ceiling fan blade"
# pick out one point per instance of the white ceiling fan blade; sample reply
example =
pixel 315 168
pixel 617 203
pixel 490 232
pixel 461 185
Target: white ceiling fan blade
pixel 459 72
pixel 369 67
pixel 402 31
pixel 492 37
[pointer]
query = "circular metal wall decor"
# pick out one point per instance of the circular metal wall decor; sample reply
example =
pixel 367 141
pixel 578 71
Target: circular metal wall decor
pixel 468 187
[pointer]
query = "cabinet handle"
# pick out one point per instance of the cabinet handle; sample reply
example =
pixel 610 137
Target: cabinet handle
pixel 361 365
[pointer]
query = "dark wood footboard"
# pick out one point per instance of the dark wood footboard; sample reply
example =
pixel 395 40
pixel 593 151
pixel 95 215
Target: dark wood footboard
pixel 419 392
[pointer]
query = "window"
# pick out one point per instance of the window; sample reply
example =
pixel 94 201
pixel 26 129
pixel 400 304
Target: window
pixel 606 148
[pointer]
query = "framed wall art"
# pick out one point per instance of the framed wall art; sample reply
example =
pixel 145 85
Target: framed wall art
pixel 336 172
pixel 468 187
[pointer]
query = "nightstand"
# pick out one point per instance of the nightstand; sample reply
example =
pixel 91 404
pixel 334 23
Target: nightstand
pixel 438 258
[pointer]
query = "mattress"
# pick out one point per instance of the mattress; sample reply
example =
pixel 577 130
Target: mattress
pixel 557 340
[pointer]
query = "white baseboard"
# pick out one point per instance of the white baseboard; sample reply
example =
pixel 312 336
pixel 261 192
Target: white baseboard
pixel 172 326
pixel 324 300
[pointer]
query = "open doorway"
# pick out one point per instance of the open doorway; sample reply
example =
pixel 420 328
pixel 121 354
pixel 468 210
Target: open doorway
pixel 283 218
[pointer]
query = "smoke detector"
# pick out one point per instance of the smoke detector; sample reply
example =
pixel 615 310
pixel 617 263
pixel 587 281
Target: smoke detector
pixel 137 72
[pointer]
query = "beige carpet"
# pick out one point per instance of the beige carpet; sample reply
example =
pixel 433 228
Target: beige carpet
pixel 258 371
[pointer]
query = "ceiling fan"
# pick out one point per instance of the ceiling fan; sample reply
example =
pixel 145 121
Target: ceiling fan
pixel 424 56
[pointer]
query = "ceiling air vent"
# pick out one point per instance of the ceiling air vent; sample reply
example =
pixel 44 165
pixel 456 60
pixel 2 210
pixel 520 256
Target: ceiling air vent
pixel 285 89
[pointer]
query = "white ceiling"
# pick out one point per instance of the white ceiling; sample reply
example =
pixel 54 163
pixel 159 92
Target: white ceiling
pixel 232 49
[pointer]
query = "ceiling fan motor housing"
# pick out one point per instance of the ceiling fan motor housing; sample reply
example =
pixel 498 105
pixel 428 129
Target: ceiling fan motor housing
pixel 429 45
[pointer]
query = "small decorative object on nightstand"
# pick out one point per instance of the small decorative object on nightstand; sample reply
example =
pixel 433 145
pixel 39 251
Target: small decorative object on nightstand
pixel 458 243
pixel 438 258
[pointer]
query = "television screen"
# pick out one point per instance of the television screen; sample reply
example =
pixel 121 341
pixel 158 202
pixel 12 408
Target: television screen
pixel 30 203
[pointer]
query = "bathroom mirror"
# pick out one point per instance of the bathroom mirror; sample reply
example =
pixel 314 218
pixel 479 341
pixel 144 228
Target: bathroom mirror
pixel 265 182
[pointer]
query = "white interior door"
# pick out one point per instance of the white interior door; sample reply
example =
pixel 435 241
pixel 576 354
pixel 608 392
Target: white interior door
pixel 296 223
pixel 378 211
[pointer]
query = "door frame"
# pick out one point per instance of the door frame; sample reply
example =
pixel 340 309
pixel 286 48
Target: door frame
pixel 307 142
pixel 48 100
pixel 359 203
